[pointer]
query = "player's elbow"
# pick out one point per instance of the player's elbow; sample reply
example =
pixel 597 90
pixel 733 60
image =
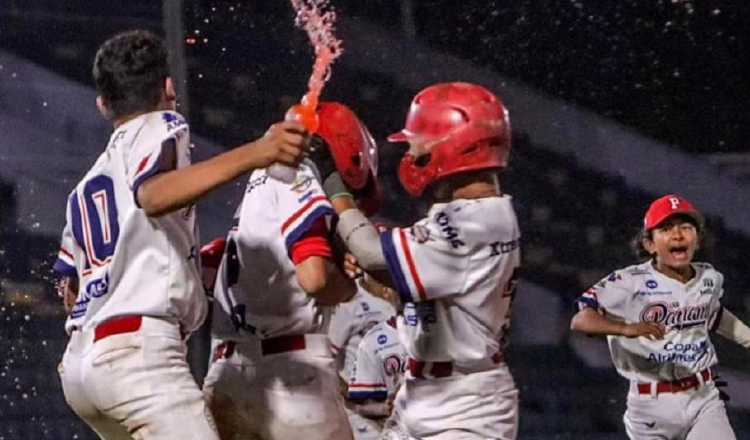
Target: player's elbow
pixel 585 321
pixel 576 323
pixel 150 201
pixel 312 275
pixel 320 279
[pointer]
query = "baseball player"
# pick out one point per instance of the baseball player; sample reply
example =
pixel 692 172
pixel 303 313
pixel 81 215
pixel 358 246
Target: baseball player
pixel 658 316
pixel 455 270
pixel 349 323
pixel 273 375
pixel 380 364
pixel 129 252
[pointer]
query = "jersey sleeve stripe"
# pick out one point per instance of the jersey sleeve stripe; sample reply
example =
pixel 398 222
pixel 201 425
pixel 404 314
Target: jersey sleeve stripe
pixel 585 301
pixel 412 266
pixel 299 230
pixel 63 268
pixel 300 212
pixel 366 385
pixel 394 266
pixel 65 255
pixel 365 395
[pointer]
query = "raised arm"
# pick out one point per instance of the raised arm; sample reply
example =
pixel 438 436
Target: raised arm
pixel 168 191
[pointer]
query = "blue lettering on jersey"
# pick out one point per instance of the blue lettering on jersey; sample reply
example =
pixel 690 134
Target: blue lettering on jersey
pixel 680 352
pixel 173 121
pixel 98 288
pixel 94 289
pixel 382 339
pixel 449 232
pixel 652 284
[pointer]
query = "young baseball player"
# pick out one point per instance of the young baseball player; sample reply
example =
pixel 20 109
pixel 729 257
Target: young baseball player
pixel 376 376
pixel 349 323
pixel 129 249
pixel 658 316
pixel 455 270
pixel 273 374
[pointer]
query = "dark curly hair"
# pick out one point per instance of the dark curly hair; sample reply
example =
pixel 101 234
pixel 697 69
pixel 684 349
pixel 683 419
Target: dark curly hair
pixel 129 72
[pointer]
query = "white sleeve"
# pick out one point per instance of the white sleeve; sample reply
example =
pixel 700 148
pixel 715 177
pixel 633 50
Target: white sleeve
pixel 368 380
pixel 609 295
pixel 423 264
pixel 300 204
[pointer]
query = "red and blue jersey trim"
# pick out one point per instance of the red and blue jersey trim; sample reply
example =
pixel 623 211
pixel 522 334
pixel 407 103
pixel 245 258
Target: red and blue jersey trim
pixel 63 267
pixel 299 223
pixel 397 252
pixel 588 299
pixel 365 391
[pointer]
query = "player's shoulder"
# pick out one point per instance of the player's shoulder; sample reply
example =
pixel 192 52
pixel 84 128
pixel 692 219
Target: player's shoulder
pixel 471 224
pixel 625 278
pixel 165 123
pixel 708 271
pixel 154 127
pixel 705 267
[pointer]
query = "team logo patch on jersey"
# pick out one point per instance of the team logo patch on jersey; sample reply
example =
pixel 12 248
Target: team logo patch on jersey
pixel 392 365
pixel 675 316
pixel 382 339
pixel 652 284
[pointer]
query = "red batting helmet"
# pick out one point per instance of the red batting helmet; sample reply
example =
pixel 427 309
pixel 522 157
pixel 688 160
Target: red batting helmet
pixel 353 149
pixel 667 206
pixel 457 127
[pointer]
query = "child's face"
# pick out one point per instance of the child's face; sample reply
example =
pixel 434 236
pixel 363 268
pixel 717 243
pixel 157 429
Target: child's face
pixel 674 242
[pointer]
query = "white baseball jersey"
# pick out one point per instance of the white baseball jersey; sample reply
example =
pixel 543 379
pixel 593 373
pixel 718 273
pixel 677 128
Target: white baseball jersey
pixel 688 311
pixel 257 290
pixel 127 262
pixel 455 271
pixel 380 365
pixel 349 323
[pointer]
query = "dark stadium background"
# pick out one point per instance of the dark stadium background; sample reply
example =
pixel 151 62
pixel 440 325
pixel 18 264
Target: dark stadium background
pixel 646 97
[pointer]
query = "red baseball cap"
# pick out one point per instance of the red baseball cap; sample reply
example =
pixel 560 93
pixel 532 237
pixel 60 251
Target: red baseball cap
pixel 667 206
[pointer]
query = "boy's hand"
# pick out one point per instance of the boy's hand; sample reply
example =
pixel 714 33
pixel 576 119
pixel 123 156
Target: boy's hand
pixel 283 143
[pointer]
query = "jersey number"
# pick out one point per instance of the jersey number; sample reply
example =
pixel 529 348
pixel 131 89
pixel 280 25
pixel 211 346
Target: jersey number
pixel 97 213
